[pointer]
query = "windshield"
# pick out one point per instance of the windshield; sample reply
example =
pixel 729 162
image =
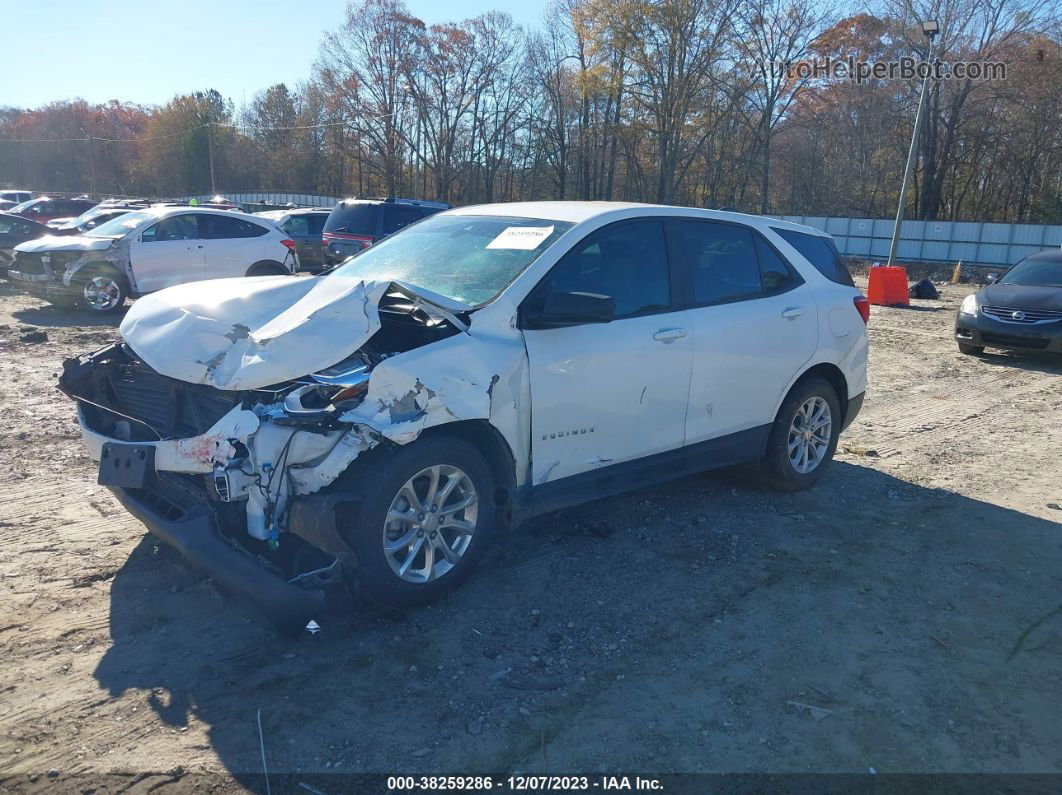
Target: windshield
pixel 1035 272
pixel 120 226
pixel 88 215
pixel 21 208
pixel 467 258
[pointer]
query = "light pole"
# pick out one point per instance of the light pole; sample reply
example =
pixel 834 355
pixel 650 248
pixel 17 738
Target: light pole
pixel 930 28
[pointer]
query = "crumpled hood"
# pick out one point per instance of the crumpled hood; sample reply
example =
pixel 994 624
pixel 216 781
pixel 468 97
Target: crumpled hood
pixel 64 243
pixel 249 333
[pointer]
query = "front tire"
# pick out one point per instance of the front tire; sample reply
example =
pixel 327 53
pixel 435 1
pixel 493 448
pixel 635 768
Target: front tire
pixel 425 518
pixel 803 437
pixel 971 350
pixel 100 290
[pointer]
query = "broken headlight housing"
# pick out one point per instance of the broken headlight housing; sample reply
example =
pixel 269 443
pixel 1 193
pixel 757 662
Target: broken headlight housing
pixel 322 398
pixel 343 385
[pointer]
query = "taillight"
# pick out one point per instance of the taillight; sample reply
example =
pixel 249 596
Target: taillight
pixel 862 306
pixel 289 243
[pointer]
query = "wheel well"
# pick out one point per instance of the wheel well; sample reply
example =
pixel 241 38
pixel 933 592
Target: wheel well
pixel 489 441
pixel 99 266
pixel 832 374
pixel 267 267
pixel 96 266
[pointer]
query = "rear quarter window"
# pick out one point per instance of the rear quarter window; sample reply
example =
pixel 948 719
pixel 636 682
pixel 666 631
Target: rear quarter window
pixel 221 227
pixel 821 252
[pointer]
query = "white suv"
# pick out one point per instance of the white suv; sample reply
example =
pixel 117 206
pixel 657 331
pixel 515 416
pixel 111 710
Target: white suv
pixel 376 425
pixel 146 250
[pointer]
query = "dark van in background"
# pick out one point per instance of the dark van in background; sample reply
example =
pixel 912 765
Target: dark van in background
pixel 355 224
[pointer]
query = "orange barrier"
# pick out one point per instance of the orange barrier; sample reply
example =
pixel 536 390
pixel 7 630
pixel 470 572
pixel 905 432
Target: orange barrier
pixel 888 286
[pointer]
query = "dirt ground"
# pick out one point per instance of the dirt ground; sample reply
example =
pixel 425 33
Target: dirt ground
pixel 912 597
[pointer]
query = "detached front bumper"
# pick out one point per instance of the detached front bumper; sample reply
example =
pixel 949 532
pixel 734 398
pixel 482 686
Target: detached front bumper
pixel 43 285
pixel 981 331
pixel 176 514
pixel 178 510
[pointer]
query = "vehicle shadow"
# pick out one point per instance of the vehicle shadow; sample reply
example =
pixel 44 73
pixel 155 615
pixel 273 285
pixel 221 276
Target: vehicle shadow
pixel 1034 361
pixel 902 575
pixel 924 308
pixel 54 316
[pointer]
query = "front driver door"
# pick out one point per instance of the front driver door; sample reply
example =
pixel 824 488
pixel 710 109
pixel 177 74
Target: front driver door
pixel 166 253
pixel 605 393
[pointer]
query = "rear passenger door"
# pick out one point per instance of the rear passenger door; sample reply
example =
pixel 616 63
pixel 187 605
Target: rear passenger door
pixel 231 245
pixel 753 320
pixel 605 393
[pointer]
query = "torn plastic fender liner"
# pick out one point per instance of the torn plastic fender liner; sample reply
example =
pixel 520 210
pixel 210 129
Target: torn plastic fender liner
pixel 464 377
pixel 307 479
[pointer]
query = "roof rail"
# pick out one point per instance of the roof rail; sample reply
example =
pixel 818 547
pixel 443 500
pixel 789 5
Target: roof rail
pixel 400 200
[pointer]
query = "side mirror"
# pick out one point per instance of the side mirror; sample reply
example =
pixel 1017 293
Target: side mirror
pixel 571 309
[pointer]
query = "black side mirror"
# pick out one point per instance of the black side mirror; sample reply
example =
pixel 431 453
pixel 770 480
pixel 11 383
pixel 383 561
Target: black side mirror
pixel 571 309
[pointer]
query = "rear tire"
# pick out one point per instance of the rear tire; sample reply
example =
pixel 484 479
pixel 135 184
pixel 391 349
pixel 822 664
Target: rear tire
pixel 438 547
pixel 803 437
pixel 971 350
pixel 268 268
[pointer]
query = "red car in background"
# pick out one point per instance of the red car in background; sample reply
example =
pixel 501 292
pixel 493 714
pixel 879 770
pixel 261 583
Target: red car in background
pixel 45 208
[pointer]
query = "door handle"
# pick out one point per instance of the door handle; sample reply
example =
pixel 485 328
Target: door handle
pixel 669 335
pixel 793 312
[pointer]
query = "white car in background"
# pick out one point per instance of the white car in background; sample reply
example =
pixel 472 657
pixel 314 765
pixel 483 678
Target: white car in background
pixel 377 424
pixel 147 250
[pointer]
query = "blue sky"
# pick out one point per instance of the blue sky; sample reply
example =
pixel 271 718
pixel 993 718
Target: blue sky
pixel 149 52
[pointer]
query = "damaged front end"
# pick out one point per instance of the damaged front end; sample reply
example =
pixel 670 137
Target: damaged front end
pixel 243 481
pixel 47 267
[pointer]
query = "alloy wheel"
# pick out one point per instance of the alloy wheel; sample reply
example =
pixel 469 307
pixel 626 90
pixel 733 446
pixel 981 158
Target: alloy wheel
pixel 430 523
pixel 102 293
pixel 809 434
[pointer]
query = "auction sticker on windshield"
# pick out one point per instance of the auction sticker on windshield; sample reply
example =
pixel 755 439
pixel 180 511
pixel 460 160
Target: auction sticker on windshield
pixel 522 238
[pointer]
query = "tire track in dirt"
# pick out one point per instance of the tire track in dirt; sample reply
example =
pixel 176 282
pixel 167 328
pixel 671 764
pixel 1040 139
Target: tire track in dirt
pixel 896 429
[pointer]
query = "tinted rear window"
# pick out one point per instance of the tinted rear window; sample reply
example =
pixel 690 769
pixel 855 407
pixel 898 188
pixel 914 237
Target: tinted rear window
pixel 396 216
pixel 353 219
pixel 820 252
